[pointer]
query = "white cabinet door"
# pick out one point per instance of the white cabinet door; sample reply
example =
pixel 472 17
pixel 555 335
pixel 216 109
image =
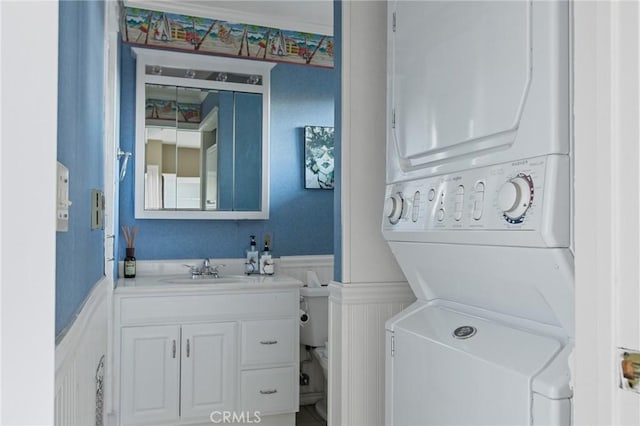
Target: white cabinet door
pixel 150 375
pixel 208 369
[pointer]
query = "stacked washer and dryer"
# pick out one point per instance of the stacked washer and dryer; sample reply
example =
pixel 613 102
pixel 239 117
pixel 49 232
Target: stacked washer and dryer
pixel 478 212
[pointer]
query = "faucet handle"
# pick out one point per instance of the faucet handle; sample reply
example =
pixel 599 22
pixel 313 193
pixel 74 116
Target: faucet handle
pixel 193 270
pixel 213 270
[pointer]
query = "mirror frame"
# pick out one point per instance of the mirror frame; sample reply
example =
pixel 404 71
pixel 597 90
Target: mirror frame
pixel 146 57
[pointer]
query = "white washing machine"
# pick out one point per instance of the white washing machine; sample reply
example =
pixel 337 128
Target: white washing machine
pixel 478 212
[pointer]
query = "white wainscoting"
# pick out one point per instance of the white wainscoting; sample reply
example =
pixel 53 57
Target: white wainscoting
pixel 298 266
pixel 77 357
pixel 357 316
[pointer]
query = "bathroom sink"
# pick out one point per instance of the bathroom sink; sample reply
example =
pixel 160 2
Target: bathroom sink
pixel 208 279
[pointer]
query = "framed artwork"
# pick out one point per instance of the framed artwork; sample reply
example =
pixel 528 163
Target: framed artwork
pixel 318 157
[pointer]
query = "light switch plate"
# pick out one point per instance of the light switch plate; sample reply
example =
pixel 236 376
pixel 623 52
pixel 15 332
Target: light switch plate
pixel 97 209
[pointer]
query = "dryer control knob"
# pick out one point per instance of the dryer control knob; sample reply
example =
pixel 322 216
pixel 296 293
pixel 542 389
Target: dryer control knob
pixel 515 198
pixel 393 208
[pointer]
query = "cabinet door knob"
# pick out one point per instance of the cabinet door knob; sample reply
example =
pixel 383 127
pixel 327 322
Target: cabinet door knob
pixel 268 342
pixel 268 391
pixel 173 350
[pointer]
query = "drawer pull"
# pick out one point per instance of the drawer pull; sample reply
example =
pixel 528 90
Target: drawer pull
pixel 173 350
pixel 268 342
pixel 269 391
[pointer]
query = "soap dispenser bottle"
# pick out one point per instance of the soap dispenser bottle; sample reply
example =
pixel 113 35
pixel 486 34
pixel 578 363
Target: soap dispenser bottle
pixel 251 265
pixel 266 263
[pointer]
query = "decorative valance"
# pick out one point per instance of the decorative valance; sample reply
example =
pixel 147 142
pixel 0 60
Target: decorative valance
pixel 214 36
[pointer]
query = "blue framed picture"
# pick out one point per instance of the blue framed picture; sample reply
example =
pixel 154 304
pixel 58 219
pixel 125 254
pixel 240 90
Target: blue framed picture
pixel 318 157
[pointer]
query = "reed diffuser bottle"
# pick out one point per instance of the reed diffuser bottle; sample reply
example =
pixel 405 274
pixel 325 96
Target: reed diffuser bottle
pixel 130 258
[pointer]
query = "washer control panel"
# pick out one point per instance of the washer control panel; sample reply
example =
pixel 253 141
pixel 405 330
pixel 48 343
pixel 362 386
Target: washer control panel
pixel 503 197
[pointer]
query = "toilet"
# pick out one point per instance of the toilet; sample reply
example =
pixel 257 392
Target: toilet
pixel 315 332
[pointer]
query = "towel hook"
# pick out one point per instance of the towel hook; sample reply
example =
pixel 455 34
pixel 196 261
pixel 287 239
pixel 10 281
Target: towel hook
pixel 123 169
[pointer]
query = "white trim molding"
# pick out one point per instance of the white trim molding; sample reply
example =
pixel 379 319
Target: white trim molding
pixel 607 208
pixel 370 293
pixel 357 317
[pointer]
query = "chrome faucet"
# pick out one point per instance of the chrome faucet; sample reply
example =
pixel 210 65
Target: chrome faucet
pixel 205 270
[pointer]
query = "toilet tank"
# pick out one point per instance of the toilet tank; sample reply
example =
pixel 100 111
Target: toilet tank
pixel 315 303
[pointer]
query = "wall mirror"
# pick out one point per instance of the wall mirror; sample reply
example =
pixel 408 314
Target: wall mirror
pixel 202 137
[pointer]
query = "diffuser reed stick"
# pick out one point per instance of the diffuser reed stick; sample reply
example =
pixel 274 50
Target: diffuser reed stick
pixel 130 235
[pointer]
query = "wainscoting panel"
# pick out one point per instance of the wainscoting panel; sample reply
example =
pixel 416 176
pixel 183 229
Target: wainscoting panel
pixel 78 356
pixel 357 316
pixel 298 266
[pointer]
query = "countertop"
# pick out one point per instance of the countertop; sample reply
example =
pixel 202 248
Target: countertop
pixel 183 283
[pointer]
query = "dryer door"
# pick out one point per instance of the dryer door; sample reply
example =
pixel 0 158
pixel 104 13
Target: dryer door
pixel 450 368
pixel 465 75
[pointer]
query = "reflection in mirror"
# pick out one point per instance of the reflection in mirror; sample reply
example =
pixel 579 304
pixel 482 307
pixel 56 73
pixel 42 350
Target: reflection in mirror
pixel 201 149
pixel 175 134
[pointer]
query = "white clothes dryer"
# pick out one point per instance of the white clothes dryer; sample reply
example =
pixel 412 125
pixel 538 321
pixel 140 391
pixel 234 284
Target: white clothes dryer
pixel 478 212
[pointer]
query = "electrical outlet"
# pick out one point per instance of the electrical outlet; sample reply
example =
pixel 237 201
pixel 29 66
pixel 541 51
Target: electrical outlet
pixel 304 379
pixel 62 199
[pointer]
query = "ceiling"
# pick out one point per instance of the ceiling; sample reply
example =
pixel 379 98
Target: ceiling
pixel 313 16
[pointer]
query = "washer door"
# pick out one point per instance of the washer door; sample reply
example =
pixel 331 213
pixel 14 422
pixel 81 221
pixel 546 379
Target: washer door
pixel 450 368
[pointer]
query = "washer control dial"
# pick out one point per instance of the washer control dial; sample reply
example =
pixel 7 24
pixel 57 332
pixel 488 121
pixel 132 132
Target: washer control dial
pixel 515 198
pixel 394 207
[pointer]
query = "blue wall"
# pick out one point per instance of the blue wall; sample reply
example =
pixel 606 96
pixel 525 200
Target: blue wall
pixel 337 229
pixel 79 252
pixel 301 221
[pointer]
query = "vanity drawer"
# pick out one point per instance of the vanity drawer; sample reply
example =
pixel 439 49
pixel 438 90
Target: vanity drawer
pixel 269 341
pixel 269 391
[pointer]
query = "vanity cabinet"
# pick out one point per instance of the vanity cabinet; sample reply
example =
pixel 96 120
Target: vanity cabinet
pixel 184 352
pixel 172 373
